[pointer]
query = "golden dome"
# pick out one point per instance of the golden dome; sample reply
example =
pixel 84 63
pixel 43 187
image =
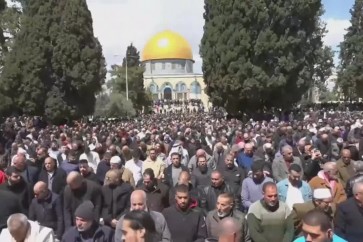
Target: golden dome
pixel 167 45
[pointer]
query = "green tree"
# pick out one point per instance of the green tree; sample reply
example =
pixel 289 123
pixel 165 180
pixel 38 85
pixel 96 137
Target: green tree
pixel 350 74
pixel 260 54
pixel 56 65
pixel 114 105
pixel 135 79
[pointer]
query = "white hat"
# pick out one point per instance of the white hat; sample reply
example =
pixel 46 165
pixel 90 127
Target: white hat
pixel 92 147
pixel 115 160
pixel 322 193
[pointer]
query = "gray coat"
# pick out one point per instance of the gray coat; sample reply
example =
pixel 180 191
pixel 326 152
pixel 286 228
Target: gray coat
pixel 212 220
pixel 160 226
pixel 280 170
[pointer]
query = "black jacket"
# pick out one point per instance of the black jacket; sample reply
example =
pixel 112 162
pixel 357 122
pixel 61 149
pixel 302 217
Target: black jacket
pixel 185 226
pixel 48 213
pixel 72 199
pixel 348 221
pixel 208 195
pixel 168 176
pixel 23 191
pixel 59 180
pixel 30 174
pixel 116 201
pixel 199 178
pixel 10 204
pixel 92 177
pixel 233 176
pixel 158 197
pixel 350 183
pixel 99 233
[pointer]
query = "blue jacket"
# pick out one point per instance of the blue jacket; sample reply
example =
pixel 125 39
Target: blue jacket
pixel 305 189
pixel 336 238
pixel 244 161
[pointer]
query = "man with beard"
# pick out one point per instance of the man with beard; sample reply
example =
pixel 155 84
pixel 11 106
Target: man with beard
pixel 225 209
pixel 86 227
pixel 269 219
pixel 292 189
pixel 328 178
pixel 157 192
pixel 345 166
pixel 77 191
pixel 17 186
pixel 184 178
pixel 46 208
pixel 185 223
pixel 252 185
pixel 87 172
pixel 233 175
pixel 172 172
pixel 193 163
pixel 322 200
pixel 138 203
pixel 201 173
pixel 116 194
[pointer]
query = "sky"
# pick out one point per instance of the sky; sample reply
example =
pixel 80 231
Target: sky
pixel 117 23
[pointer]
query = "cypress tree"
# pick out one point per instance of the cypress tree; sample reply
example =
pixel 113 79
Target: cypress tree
pixel 260 54
pixel 350 74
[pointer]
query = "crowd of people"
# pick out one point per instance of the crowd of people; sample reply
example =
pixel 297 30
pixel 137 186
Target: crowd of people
pixel 183 177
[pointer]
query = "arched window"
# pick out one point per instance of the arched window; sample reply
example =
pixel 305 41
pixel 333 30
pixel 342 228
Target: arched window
pixel 196 89
pixel 181 87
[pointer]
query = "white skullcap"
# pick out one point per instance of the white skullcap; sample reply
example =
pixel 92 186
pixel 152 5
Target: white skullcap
pixel 312 130
pixel 322 193
pixel 115 160
pixel 92 147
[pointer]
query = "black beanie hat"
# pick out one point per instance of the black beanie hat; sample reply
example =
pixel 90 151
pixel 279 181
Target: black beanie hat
pixel 85 211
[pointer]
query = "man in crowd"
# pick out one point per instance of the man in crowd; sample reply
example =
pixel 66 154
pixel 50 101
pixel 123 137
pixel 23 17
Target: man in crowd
pixel 328 178
pixel 19 228
pixel 135 165
pixel 185 223
pixel 46 208
pixel 345 166
pixel 17 186
pixel 172 172
pixel 358 177
pixel 252 185
pixel 157 165
pixel 209 194
pixel 232 174
pixel 245 158
pixel 317 227
pixel 349 216
pixel 230 230
pixel 87 227
pixel 77 191
pixel 157 192
pixel 116 198
pixel 54 177
pixel 138 203
pixel 184 178
pixel 270 219
pixel 292 189
pixel 225 209
pixel 322 200
pixel 87 172
pixel 193 163
pixel 201 173
pixel 280 166
pixel 10 204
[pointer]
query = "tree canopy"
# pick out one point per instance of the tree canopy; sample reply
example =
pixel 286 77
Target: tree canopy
pixel 350 74
pixel 260 54
pixel 56 66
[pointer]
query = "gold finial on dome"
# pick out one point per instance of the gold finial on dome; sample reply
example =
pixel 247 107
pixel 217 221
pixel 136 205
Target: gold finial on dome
pixel 167 45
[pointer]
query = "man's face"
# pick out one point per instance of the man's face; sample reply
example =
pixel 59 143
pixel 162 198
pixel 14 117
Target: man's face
pixel 83 169
pixel 287 154
pixel 202 162
pixel 314 234
pixel 138 204
pixel 294 178
pixel 248 150
pixel 346 157
pixel 130 235
pixel 216 180
pixel 229 161
pixel 82 224
pixel 152 155
pixel 182 199
pixel 323 204
pixel 49 165
pixel 40 194
pixel 224 206
pixel 175 160
pixel 15 178
pixel 148 182
pixel 270 196
pixel 258 175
